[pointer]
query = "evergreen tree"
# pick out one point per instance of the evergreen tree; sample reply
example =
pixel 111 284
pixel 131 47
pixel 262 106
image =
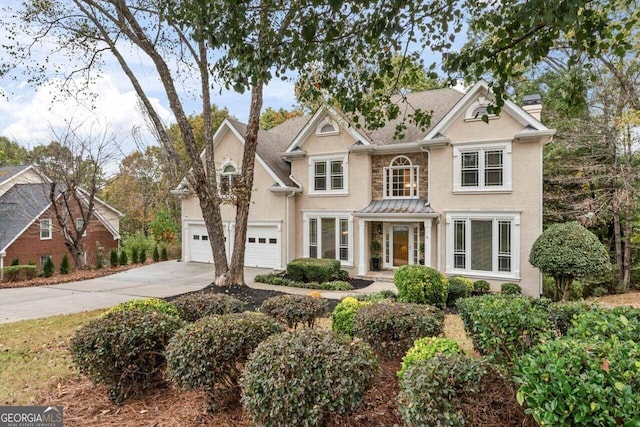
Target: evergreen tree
pixel 64 265
pixel 124 260
pixel 156 254
pixel 164 256
pixel 134 255
pixel 113 258
pixel 142 256
pixel 47 270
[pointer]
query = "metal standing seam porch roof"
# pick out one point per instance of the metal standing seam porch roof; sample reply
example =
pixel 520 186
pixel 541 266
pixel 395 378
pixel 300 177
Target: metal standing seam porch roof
pixel 397 206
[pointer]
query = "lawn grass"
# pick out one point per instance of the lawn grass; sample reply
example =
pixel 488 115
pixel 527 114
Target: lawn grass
pixel 33 353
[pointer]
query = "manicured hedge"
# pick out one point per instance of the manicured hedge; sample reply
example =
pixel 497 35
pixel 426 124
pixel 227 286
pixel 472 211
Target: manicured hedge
pixel 197 305
pixel 298 378
pixel 16 273
pixel 459 287
pixel 504 327
pixel 426 348
pixel 391 328
pixel 570 382
pixel 421 285
pixel 313 269
pixel 621 322
pixel 147 304
pixel 294 309
pixel 563 314
pixel 279 280
pixel 343 316
pixel 510 289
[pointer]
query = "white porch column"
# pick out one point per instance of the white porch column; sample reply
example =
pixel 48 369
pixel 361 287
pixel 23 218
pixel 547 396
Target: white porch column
pixel 427 242
pixel 362 247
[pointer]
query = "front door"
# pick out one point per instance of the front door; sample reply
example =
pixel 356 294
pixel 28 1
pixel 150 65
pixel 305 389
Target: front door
pixel 400 245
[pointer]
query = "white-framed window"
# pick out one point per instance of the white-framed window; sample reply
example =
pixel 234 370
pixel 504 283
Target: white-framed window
pixel 329 174
pixel 482 167
pixel 329 235
pixel 401 179
pixel 479 109
pixel 484 244
pixel 228 179
pixel 327 128
pixel 46 229
pixel 80 224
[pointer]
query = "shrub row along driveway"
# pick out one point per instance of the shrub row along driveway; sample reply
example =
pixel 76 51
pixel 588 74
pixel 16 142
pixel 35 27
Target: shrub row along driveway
pixel 155 280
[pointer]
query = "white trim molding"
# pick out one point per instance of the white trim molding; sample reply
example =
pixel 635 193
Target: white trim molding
pixel 48 228
pixel 328 159
pixel 505 147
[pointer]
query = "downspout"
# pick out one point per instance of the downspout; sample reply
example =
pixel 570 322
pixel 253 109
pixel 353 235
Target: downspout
pixel 288 227
pixel 2 255
pixel 438 244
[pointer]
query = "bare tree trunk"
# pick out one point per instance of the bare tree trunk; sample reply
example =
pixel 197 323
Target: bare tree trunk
pixel 235 276
pixel 628 202
pixel 617 236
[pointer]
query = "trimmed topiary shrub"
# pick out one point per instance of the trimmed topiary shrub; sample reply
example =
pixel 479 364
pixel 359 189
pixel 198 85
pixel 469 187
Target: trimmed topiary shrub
pixel 147 304
pixel 569 251
pixel 156 254
pixel 426 348
pixel 563 314
pixel 197 305
pixel 569 382
pixel 294 309
pixel 391 328
pixel 298 378
pixel 504 327
pixel 378 296
pixel 164 255
pixel 313 269
pixel 134 255
pixel 124 350
pixel 344 314
pixel 142 256
pixel 481 287
pixel 212 351
pixel 16 273
pixel 113 258
pixel 64 265
pixel 48 268
pixel 421 285
pixel 279 280
pixel 620 322
pixel 450 389
pixel 510 289
pixel 124 259
pixel 459 287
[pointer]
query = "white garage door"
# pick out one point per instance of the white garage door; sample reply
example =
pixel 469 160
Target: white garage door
pixel 262 247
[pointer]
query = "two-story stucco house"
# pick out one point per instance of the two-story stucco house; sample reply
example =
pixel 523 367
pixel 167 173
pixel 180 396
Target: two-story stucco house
pixel 463 196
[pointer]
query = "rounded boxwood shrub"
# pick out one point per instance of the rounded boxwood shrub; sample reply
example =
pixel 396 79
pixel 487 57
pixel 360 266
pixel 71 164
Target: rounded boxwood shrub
pixel 124 350
pixel 344 314
pixel 620 322
pixel 456 390
pixel 391 328
pixel 581 383
pixel 481 287
pixel 294 309
pixel 313 269
pixel 510 289
pixel 459 287
pixel 197 305
pixel 147 304
pixel 377 296
pixel 426 348
pixel 212 350
pixel 298 378
pixel 421 285
pixel 503 327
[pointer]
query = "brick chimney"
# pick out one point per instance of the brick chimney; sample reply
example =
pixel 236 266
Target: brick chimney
pixel 532 104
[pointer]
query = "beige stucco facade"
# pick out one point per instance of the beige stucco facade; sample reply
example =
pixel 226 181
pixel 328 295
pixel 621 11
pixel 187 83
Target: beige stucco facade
pixel 517 204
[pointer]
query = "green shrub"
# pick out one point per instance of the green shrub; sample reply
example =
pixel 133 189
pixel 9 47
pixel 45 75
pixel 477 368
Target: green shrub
pixel 124 259
pixel 562 314
pixel 16 261
pixel 279 280
pixel 99 263
pixel 124 350
pixel 569 382
pixel 48 268
pixel 64 265
pixel 599 291
pixel 377 296
pixel 113 258
pixel 142 256
pixel 294 309
pixel 213 350
pixel 426 348
pixel 455 390
pixel 481 287
pixel 313 269
pixel 16 273
pixel 134 255
pixel 197 305
pixel 510 289
pixel 503 327
pixel 344 314
pixel 164 255
pixel 147 304
pixel 569 251
pixel 620 322
pixel 298 378
pixel 391 328
pixel 421 285
pixel 156 254
pixel 459 287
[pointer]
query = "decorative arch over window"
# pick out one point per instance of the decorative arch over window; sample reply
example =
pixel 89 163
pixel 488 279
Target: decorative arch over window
pixel 479 109
pixel 327 127
pixel 228 178
pixel 401 179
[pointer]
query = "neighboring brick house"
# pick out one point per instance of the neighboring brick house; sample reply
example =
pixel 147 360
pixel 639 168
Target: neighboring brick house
pixel 29 230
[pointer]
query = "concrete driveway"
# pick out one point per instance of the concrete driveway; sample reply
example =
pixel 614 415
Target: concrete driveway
pixel 155 280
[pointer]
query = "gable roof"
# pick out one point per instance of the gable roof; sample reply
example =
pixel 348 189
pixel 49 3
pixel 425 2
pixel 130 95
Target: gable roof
pixel 8 172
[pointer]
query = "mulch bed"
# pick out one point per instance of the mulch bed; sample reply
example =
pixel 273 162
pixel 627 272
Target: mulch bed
pixel 74 276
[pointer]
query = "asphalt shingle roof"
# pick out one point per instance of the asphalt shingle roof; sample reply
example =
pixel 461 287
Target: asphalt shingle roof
pixel 7 172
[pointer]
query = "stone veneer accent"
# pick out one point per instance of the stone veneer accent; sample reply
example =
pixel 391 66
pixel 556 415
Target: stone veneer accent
pixel 378 163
